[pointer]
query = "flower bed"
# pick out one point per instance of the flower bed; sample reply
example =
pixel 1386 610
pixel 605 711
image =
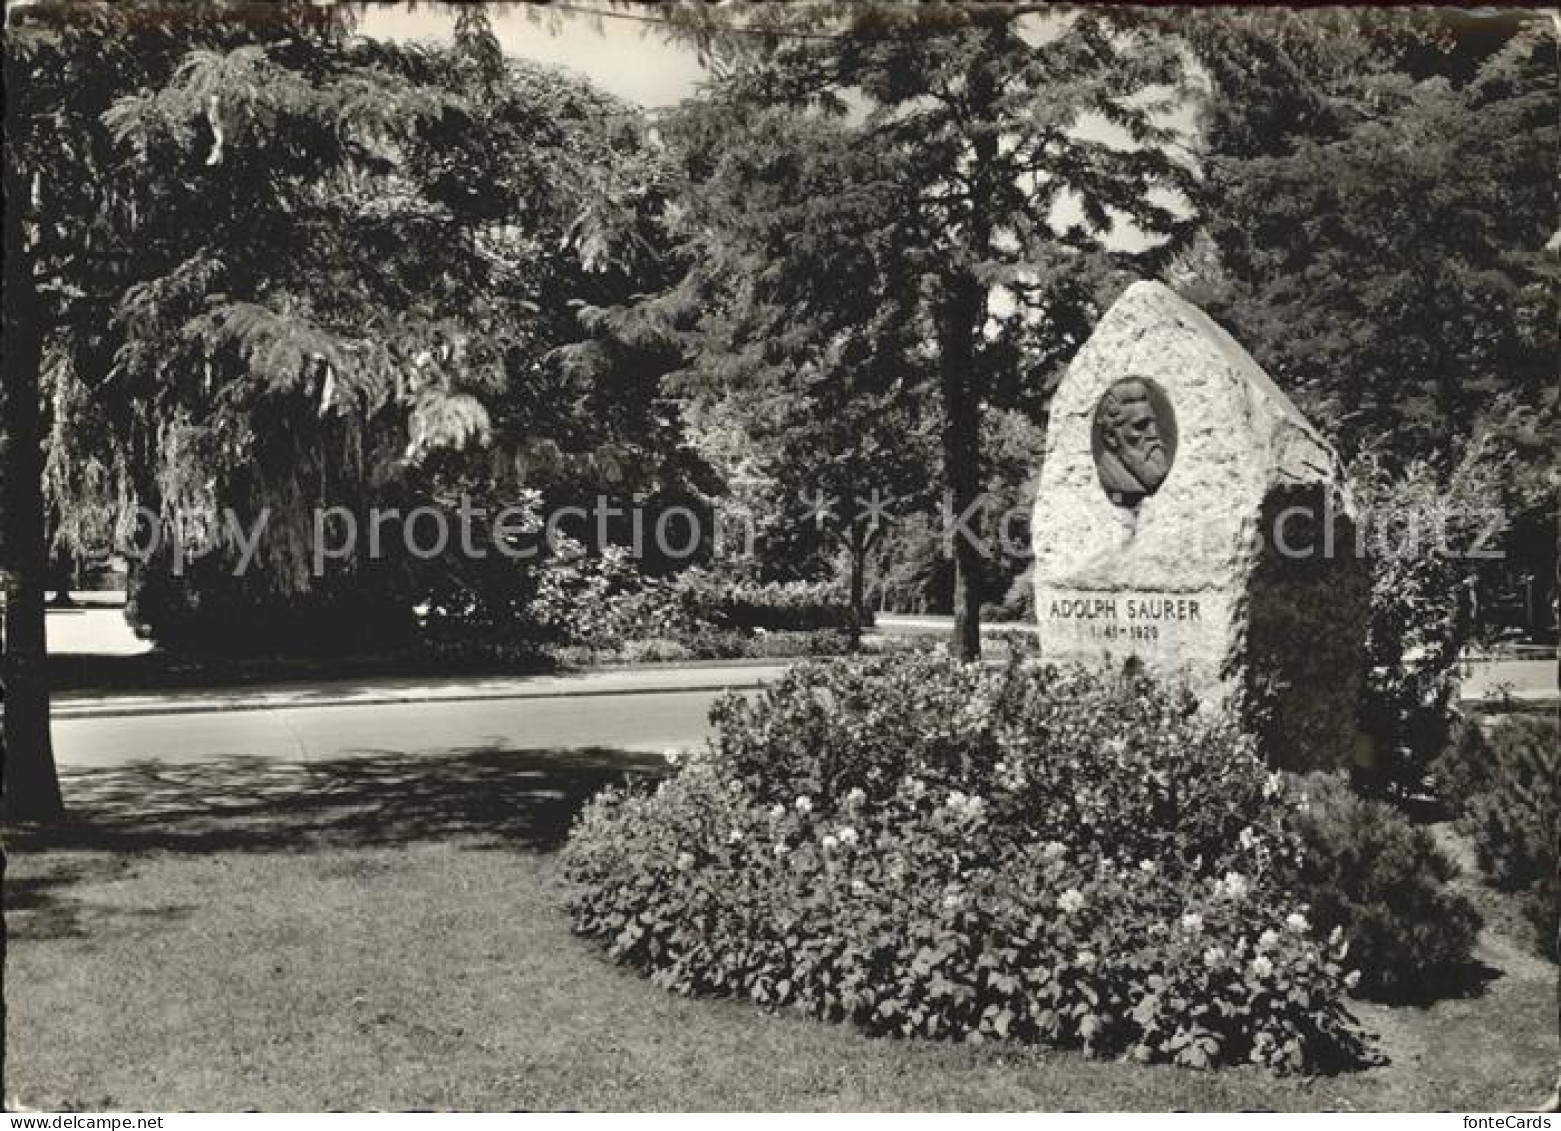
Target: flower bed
pixel 932 849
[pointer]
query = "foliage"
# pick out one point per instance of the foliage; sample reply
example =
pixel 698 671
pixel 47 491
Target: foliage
pixel 1424 532
pixel 706 644
pixel 64 268
pixel 604 599
pixel 771 605
pixel 1380 203
pixel 1367 870
pixel 1513 822
pixel 1506 783
pixel 925 848
pixel 967 169
pixel 393 309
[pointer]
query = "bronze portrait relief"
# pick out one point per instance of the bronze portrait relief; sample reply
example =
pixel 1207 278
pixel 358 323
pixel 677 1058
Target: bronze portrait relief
pixel 1133 440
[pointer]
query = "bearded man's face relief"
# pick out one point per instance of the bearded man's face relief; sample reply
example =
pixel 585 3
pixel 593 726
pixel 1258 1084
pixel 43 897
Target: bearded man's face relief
pixel 1132 454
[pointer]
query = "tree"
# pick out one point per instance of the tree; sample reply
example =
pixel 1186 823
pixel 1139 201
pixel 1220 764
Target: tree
pixel 63 67
pixel 1385 257
pixel 1012 147
pixel 32 790
pixel 250 248
pixel 1381 203
pixel 821 371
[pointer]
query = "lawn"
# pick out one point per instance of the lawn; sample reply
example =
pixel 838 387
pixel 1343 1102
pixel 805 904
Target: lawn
pixel 387 933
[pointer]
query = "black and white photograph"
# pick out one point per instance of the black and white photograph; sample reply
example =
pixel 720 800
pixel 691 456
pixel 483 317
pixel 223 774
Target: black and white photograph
pixel 840 556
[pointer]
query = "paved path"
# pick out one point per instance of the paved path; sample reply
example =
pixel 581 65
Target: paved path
pixel 96 629
pixel 1524 679
pixel 635 681
pixel 647 708
pixel 638 722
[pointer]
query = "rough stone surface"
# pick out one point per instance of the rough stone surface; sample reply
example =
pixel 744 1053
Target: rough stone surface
pixel 1234 569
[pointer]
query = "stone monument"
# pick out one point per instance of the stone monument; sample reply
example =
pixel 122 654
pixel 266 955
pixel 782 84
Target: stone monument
pixel 1191 523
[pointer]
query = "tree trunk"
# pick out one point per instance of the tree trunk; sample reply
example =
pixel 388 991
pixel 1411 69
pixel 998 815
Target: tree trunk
pixel 62 579
pixel 858 569
pixel 962 466
pixel 959 326
pixel 31 786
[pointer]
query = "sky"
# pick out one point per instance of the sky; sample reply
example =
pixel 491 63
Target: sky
pixel 624 57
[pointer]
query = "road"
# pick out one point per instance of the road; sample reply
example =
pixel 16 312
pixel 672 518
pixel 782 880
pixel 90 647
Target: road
pixel 640 722
pixel 646 709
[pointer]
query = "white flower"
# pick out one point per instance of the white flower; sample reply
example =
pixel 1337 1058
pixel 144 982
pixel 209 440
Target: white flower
pixel 952 901
pixel 1053 849
pixel 1248 837
pixel 1214 956
pixel 672 754
pixel 1147 867
pixel 829 842
pixel 1071 901
pixel 956 799
pixel 804 804
pixel 859 887
pixel 1296 922
pixel 734 837
pixel 1267 940
pixel 777 812
pixel 1192 922
pixel 915 787
pixel 780 849
pixel 1234 885
pixel 1085 958
pixel 856 797
pixel 1262 967
pixel 685 860
pixel 847 834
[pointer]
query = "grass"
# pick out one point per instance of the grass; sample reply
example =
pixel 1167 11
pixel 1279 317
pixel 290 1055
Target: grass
pixel 386 933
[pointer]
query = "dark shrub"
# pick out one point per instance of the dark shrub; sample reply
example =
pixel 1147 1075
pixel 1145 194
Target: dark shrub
pixel 1512 817
pixel 1513 774
pixel 208 615
pixel 931 849
pixel 1367 870
pixel 1465 768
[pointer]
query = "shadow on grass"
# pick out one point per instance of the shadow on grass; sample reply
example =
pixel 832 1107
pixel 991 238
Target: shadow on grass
pixel 487 795
pixel 39 905
pixel 483 797
pixel 1462 981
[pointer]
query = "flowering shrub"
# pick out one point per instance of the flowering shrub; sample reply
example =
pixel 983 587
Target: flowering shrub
pixel 705 644
pixel 604 600
pixel 772 605
pixel 1367 870
pixel 933 849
